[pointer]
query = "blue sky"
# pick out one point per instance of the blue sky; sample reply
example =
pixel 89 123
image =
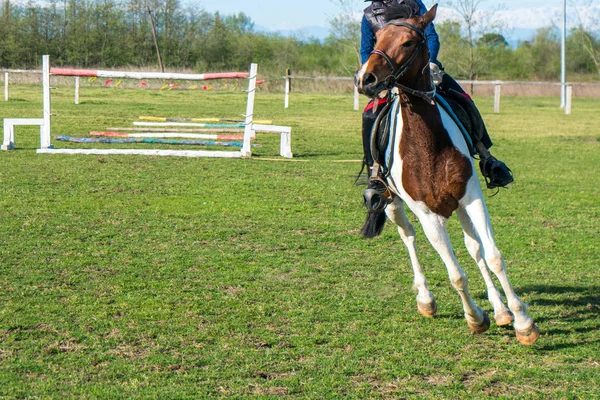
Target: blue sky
pixel 296 14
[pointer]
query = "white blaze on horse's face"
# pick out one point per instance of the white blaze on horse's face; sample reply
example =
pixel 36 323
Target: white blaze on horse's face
pixel 361 73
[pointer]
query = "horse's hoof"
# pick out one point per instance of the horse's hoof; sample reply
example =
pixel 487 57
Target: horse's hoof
pixel 482 327
pixel 504 318
pixel 427 309
pixel 528 336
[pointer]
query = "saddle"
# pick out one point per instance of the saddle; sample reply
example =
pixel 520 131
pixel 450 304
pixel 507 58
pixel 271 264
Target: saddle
pixel 459 108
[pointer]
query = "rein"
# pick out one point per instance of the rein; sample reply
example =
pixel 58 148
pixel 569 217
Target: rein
pixel 397 71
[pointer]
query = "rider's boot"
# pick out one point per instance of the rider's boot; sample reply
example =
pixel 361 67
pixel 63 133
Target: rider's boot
pixel 495 172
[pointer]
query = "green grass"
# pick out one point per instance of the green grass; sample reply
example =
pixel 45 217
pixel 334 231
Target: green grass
pixel 149 277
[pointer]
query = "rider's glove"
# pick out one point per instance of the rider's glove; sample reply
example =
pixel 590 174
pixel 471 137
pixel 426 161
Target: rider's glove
pixel 437 72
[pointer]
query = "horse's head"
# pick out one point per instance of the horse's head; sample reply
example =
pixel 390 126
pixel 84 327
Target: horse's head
pixel 400 55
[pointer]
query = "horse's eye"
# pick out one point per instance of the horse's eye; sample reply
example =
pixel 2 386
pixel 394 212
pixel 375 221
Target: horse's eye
pixel 408 44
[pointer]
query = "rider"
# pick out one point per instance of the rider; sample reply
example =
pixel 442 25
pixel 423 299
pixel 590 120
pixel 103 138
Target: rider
pixel 375 16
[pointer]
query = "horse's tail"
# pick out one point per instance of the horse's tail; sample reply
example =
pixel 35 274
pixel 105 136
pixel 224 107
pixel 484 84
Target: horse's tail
pixel 373 224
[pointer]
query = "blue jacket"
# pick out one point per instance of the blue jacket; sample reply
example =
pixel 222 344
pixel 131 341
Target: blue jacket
pixel 368 39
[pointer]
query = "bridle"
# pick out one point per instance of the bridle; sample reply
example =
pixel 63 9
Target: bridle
pixel 397 71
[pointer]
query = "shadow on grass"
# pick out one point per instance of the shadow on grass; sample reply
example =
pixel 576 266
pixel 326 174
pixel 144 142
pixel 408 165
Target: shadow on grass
pixel 578 315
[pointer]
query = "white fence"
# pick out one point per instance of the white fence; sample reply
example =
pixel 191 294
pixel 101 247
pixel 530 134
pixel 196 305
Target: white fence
pixel 497 84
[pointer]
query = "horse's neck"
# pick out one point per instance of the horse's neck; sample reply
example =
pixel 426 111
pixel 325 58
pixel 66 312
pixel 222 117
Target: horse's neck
pixel 424 82
pixel 425 129
pixel 432 169
pixel 420 130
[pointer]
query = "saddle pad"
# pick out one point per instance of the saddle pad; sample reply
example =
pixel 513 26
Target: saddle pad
pixel 444 104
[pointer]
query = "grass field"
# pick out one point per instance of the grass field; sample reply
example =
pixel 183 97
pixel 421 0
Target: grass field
pixel 149 277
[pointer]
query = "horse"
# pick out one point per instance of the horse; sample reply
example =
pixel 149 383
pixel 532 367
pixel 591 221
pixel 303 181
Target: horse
pixel 431 170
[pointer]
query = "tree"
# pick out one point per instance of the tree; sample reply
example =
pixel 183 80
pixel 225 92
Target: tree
pixel 588 14
pixel 345 33
pixel 492 40
pixel 476 22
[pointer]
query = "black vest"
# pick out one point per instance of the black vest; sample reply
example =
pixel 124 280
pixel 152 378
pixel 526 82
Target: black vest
pixel 381 12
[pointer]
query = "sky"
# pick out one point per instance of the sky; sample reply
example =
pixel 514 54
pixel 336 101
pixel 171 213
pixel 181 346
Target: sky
pixel 298 14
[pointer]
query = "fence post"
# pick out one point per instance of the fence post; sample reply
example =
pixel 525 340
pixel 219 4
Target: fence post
pixel 569 98
pixel 6 86
pixel 497 91
pixel 355 98
pixel 76 90
pixel 288 88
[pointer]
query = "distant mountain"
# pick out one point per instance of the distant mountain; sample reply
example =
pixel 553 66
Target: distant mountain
pixel 520 24
pixel 516 36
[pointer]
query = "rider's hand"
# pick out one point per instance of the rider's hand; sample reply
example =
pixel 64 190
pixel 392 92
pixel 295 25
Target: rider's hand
pixel 436 73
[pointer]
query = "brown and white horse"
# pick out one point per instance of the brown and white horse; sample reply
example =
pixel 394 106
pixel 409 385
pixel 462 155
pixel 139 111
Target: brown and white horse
pixel 432 172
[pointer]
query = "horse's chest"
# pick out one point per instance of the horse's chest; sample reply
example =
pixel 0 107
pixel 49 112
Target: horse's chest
pixel 432 169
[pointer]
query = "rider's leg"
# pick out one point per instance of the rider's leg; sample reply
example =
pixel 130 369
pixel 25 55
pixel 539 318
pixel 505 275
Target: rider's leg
pixel 368 120
pixel 496 173
pixel 375 193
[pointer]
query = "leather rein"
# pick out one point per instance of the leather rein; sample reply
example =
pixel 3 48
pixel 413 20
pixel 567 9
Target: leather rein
pixel 397 71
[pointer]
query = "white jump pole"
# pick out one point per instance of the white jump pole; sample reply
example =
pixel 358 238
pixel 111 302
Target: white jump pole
pixel 497 91
pixel 6 86
pixel 568 99
pixel 286 98
pixel 248 132
pixel 355 98
pixel 76 90
pixel 45 142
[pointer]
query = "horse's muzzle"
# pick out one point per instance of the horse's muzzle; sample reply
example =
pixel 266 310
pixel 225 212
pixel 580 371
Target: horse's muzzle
pixel 368 84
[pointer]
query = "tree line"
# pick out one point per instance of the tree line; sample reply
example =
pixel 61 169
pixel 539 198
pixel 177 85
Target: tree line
pixel 117 33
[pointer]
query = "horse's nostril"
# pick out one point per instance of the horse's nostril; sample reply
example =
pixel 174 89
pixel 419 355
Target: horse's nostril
pixel 369 79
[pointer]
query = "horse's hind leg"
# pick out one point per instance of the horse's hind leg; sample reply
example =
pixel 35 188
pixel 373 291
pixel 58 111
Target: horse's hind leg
pixel 527 332
pixel 502 315
pixel 435 228
pixel 425 300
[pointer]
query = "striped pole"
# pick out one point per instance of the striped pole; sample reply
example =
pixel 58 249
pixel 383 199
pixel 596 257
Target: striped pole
pixel 166 135
pixel 110 140
pixel 197 130
pixel 181 119
pixel 190 124
pixel 147 75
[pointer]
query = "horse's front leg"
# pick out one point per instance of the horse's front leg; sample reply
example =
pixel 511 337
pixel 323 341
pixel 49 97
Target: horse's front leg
pixel 526 330
pixel 502 315
pixel 425 300
pixel 434 227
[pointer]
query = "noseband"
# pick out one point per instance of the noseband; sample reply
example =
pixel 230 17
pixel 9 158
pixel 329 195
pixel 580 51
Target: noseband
pixel 397 71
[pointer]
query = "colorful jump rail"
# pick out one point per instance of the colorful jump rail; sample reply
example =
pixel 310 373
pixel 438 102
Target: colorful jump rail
pixel 147 75
pixel 181 119
pixel 110 140
pixel 166 135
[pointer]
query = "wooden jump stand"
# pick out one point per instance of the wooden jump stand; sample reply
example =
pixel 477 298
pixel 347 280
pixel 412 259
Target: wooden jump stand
pixel 44 123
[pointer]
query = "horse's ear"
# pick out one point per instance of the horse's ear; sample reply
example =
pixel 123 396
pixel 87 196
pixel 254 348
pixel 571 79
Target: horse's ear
pixel 429 16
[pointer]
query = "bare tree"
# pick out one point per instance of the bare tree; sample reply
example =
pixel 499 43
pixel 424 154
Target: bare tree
pixel 476 22
pixel 587 14
pixel 345 28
